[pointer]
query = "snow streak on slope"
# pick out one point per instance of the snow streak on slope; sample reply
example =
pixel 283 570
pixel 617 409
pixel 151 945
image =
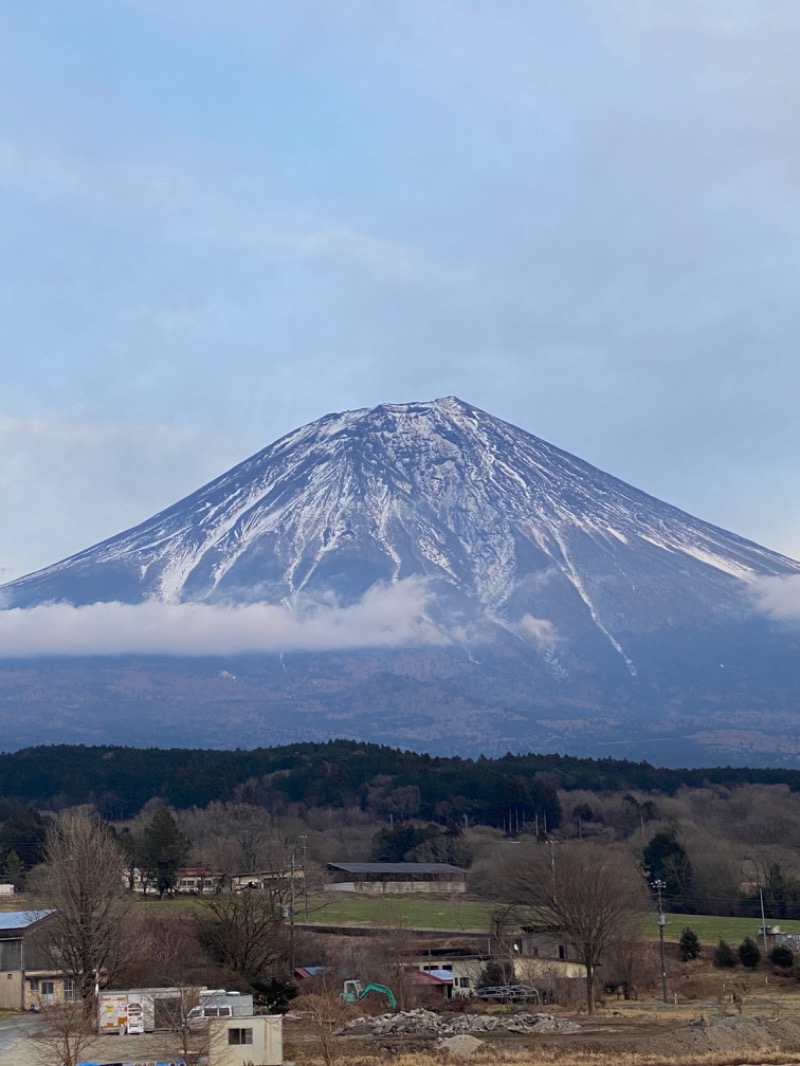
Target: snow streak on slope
pixel 488 514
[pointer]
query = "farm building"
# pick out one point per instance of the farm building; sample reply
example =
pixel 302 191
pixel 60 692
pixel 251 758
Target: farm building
pixel 380 878
pixel 28 978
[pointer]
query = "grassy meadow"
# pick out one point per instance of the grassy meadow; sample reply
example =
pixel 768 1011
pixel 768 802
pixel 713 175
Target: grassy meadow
pixel 446 914
pixel 417 912
pixel 412 912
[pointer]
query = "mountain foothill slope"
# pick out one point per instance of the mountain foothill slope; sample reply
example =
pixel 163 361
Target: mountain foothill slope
pixel 427 576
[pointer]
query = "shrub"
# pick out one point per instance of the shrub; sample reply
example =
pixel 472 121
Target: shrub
pixel 724 955
pixel 782 956
pixel 689 945
pixel 749 955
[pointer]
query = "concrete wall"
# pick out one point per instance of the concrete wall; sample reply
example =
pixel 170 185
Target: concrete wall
pixel 539 971
pixel 11 990
pixel 385 888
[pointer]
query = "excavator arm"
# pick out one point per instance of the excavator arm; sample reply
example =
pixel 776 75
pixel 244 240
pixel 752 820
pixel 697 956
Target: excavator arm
pixel 383 990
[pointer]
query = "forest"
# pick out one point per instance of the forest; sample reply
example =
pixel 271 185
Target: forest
pixel 719 839
pixel 119 781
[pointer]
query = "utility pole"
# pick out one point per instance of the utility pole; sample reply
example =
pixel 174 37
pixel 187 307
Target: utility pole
pixel 304 841
pixel 291 919
pixel 659 886
pixel 763 920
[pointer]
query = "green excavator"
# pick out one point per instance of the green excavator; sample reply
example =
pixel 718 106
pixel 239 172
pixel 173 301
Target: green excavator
pixel 354 991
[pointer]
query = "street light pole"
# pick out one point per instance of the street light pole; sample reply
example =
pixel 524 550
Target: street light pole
pixel 659 886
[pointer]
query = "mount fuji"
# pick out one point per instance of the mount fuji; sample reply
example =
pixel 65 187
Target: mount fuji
pixel 545 604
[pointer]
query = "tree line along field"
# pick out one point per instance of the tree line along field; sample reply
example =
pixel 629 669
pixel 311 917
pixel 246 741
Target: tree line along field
pixel 718 839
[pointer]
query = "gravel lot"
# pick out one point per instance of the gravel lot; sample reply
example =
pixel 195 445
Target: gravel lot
pixel 25 1048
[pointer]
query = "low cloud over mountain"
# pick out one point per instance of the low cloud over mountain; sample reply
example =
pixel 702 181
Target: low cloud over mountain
pixel 422 574
pixel 385 617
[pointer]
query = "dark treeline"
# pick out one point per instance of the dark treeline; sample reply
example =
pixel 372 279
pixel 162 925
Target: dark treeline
pixel 119 781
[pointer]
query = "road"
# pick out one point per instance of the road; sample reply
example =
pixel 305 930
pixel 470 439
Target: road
pixel 13 1029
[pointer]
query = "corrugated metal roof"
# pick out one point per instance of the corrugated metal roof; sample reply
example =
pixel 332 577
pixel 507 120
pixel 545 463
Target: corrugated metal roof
pixel 312 971
pixel 21 919
pixel 396 867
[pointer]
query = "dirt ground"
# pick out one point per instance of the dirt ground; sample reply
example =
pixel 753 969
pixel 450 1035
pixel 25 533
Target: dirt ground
pixel 759 1028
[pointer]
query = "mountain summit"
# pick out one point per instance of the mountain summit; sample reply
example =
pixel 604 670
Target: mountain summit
pixel 548 582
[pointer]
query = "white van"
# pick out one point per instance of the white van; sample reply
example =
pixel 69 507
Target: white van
pixel 220 1004
pixel 198 1016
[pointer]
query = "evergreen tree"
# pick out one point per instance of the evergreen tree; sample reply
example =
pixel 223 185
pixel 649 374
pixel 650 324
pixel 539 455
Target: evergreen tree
pixel 496 972
pixel 724 956
pixel 582 812
pixel 13 870
pixel 782 956
pixel 749 955
pixel 666 860
pixel 689 945
pixel 23 831
pixel 396 844
pixel 164 850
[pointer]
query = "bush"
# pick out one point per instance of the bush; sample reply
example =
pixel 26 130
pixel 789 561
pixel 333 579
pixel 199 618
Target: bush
pixel 749 955
pixel 724 956
pixel 782 956
pixel 689 945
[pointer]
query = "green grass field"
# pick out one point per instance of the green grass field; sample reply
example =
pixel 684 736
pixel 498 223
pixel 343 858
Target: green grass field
pixel 412 912
pixel 711 930
pixel 470 915
pixel 419 912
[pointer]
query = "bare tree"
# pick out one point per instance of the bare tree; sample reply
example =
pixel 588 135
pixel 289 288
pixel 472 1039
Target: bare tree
pixel 588 895
pixel 174 1016
pixel 327 1012
pixel 172 951
pixel 246 933
pixel 66 1036
pixel 82 880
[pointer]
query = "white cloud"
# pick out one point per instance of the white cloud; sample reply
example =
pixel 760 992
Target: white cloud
pixel 778 597
pixel 386 617
pixel 539 630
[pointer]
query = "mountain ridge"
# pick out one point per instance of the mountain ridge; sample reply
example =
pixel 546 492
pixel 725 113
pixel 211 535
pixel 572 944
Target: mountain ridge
pixel 543 573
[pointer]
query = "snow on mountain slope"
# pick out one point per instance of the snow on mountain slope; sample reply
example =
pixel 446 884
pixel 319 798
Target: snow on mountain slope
pixel 506 528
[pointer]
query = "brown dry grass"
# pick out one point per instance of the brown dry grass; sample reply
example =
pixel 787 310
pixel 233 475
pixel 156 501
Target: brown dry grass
pixel 566 1057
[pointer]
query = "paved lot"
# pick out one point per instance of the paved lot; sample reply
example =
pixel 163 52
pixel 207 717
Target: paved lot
pixel 21 1045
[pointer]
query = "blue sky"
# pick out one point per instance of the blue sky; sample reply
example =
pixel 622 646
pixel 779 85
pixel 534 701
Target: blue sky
pixel 223 220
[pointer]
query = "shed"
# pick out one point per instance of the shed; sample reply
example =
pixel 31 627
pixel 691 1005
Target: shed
pixel 379 878
pixel 241 1041
pixel 438 983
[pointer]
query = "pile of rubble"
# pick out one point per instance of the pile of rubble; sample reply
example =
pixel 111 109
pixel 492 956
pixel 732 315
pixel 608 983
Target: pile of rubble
pixel 418 1022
